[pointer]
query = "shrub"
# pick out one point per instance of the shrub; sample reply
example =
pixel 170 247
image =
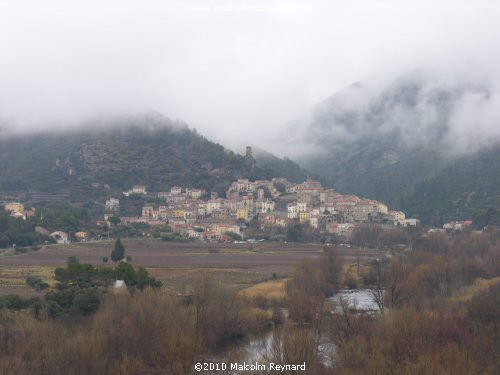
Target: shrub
pixel 86 301
pixel 36 283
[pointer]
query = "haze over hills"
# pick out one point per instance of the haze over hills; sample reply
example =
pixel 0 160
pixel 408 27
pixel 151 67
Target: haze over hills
pixel 149 149
pixel 413 143
pixel 399 141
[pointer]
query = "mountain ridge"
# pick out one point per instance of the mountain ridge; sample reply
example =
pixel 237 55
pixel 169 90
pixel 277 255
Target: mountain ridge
pixel 147 150
pixel 385 141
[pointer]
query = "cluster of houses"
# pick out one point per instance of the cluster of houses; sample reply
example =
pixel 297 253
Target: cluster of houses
pixel 18 211
pixel 454 227
pixel 62 237
pixel 274 204
pixel 457 226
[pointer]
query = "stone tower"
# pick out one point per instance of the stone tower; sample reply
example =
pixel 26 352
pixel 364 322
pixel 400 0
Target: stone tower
pixel 249 159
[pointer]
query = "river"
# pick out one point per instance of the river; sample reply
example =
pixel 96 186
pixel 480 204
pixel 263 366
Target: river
pixel 254 349
pixel 360 298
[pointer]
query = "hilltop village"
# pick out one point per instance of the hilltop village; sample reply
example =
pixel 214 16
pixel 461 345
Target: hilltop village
pixel 276 209
pixel 267 206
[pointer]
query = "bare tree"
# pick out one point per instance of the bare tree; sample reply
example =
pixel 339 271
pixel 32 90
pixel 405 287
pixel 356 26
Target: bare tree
pixel 345 322
pixel 377 290
pixel 292 345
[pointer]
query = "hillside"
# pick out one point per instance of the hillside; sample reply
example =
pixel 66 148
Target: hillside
pixel 270 164
pixel 468 187
pixel 395 141
pixel 150 150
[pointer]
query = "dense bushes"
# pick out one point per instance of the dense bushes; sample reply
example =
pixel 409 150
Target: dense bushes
pixel 426 328
pixel 19 232
pixel 371 235
pixel 312 281
pixel 408 342
pixel 64 217
pixel 36 283
pixel 151 332
pixel 72 300
pixel 15 302
pixel 222 316
pixel 439 267
pixel 297 232
pixel 433 321
pixel 80 288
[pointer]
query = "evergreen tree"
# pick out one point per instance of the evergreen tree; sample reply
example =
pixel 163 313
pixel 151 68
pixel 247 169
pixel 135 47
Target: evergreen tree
pixel 119 251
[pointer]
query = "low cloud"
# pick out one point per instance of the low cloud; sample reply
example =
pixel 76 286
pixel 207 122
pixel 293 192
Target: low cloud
pixel 443 111
pixel 236 76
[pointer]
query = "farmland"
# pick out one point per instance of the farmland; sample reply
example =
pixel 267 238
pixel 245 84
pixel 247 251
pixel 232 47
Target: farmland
pixel 175 264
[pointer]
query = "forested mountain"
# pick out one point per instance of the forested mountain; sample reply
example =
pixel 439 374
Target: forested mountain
pixel 150 150
pixel 271 164
pixel 412 143
pixel 467 187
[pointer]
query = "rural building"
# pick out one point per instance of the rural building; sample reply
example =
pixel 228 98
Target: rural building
pixel 113 204
pixel 119 287
pixel 14 207
pixel 242 214
pixel 60 237
pixel 139 189
pixel 82 236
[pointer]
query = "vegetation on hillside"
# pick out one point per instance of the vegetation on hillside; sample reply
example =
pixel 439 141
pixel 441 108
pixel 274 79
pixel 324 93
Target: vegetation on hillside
pixel 468 187
pixel 18 232
pixel 271 165
pixel 149 150
pixel 398 143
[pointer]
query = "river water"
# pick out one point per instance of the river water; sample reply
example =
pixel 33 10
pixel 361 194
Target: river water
pixel 361 299
pixel 255 349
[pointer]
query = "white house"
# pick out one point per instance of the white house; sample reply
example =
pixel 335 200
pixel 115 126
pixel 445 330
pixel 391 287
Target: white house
pixel 119 287
pixel 175 190
pixel 18 215
pixel 301 206
pixel 139 189
pixel 292 211
pixel 264 206
pixel 113 204
pixel 212 204
pixel 411 222
pixel 60 237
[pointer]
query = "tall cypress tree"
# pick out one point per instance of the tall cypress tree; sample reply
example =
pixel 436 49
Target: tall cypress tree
pixel 119 251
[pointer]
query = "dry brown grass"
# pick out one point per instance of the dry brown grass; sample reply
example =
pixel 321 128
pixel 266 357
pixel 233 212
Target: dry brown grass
pixel 270 290
pixel 181 280
pixel 15 277
pixel 479 286
pixel 353 273
pixel 175 264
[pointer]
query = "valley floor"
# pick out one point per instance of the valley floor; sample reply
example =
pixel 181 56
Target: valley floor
pixel 174 263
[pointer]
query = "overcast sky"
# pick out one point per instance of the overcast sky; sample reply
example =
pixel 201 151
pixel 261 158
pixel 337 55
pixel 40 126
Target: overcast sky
pixel 231 69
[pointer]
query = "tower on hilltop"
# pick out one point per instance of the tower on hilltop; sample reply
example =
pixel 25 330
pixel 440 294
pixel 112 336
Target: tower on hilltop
pixel 249 159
